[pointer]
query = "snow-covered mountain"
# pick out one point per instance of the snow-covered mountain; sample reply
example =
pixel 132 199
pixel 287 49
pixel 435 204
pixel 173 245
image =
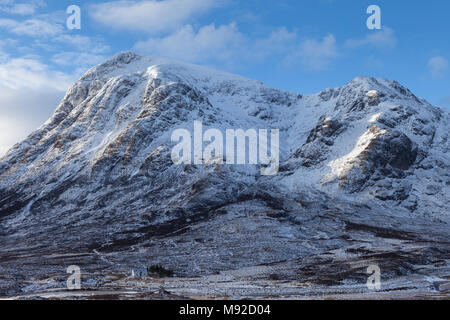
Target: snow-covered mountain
pixel 359 164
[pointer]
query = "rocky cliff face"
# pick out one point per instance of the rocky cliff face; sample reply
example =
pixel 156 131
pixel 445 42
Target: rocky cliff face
pixel 365 161
pixel 392 147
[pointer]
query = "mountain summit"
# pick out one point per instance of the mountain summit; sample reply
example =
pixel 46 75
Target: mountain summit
pixel 360 166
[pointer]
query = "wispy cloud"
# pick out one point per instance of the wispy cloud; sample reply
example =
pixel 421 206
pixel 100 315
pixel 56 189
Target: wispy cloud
pixel 438 67
pixel 29 92
pixel 150 16
pixel 39 59
pixel 83 44
pixel 208 43
pixel 315 54
pixel 49 31
pixel 21 8
pixel 23 111
pixel 31 27
pixel 384 38
pixel 50 35
pixel 31 73
pixel 227 44
pixel 170 33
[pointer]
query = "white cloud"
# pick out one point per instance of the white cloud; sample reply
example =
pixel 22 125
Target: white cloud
pixel 316 55
pixel 5 43
pixel 32 27
pixel 226 44
pixel 29 92
pixel 384 38
pixel 23 111
pixel 438 67
pixel 30 73
pixel 171 34
pixel 150 16
pixel 210 42
pixel 280 41
pixel 49 32
pixel 82 43
pixel 28 8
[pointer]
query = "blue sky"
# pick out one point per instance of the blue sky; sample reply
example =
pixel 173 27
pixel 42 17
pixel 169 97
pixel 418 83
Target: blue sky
pixel 298 45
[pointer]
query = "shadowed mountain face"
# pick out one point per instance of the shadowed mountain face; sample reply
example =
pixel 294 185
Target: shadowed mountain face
pixel 364 174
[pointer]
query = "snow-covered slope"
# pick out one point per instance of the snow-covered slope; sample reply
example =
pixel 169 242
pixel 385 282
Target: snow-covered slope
pixel 392 147
pixel 98 174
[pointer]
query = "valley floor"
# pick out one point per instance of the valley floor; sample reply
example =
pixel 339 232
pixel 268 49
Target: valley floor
pixel 315 281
